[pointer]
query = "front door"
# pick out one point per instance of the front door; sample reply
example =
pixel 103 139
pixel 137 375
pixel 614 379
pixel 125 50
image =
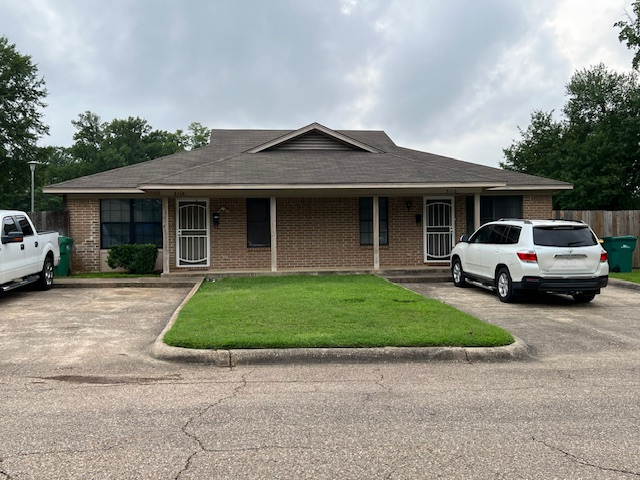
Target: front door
pixel 438 229
pixel 192 233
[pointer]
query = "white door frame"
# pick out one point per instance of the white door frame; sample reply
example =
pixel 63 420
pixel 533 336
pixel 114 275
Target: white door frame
pixel 204 262
pixel 426 225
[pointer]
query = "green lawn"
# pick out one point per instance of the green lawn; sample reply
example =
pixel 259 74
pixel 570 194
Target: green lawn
pixel 322 311
pixel 629 276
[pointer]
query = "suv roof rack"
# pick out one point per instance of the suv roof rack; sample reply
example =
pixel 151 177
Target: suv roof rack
pixel 513 219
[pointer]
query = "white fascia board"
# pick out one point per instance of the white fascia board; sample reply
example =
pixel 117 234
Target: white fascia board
pixel 308 128
pixel 331 186
pixel 515 188
pixel 62 190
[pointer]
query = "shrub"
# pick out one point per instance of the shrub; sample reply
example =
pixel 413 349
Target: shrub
pixel 138 259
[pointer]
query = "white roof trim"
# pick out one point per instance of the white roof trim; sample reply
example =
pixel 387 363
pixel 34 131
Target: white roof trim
pixel 314 126
pixel 328 186
pixel 532 187
pixel 60 190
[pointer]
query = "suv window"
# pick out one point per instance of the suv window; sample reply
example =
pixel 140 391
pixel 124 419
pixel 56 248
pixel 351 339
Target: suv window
pixel 563 236
pixel 24 225
pixel 497 234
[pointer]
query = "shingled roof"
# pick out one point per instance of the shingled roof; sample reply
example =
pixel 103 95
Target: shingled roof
pixel 313 157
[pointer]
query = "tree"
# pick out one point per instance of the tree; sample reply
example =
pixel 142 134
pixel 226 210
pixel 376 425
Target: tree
pixel 595 146
pixel 100 146
pixel 630 32
pixel 22 96
pixel 198 136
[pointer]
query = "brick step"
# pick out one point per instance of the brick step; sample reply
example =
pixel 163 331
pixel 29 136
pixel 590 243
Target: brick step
pixel 435 277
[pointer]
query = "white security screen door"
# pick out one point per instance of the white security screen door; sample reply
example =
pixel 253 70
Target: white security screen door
pixel 192 233
pixel 438 229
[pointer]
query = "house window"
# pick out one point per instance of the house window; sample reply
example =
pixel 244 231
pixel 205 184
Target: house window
pixel 366 220
pixel 258 222
pixel 494 208
pixel 124 221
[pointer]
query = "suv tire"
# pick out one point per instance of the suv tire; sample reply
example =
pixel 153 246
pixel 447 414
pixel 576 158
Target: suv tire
pixel 504 286
pixel 458 274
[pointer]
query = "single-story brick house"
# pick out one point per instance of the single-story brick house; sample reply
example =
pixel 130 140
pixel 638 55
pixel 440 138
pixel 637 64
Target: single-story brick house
pixel 310 199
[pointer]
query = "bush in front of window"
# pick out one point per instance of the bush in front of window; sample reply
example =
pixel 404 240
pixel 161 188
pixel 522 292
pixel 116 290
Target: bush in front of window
pixel 137 258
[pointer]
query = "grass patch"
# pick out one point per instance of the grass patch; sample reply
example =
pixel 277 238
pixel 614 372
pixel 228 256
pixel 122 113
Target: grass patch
pixel 323 311
pixel 633 276
pixel 112 275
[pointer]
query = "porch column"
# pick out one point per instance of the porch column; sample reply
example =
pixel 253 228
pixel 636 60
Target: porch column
pixel 165 235
pixel 376 233
pixel 476 212
pixel 274 236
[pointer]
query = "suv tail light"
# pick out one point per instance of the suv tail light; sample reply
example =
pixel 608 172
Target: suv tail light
pixel 529 257
pixel 603 257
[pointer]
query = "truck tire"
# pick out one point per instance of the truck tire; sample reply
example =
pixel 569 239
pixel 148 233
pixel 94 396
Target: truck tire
pixel 46 275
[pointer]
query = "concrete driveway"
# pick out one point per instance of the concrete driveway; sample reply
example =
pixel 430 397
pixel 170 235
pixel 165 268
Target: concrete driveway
pixel 82 327
pixel 554 325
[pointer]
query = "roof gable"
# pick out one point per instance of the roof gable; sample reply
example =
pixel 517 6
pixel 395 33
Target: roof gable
pixel 314 137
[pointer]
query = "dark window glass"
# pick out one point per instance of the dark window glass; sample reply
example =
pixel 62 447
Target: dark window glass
pixel 366 220
pixel 494 208
pixel 482 235
pixel 125 221
pixel 513 235
pixel 258 222
pixel 24 225
pixel 563 236
pixel 8 226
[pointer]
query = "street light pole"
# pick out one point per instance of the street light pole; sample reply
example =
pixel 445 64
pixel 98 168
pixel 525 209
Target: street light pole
pixel 32 166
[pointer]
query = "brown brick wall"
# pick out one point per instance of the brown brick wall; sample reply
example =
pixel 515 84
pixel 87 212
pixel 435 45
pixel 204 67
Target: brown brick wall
pixel 84 226
pixel 537 206
pixel 312 233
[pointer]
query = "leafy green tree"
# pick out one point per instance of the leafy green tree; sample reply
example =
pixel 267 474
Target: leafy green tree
pixel 630 32
pixel 198 136
pixel 595 145
pixel 22 96
pixel 100 146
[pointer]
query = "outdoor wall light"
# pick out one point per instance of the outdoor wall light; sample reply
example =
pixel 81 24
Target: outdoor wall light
pixel 408 204
pixel 418 219
pixel 216 219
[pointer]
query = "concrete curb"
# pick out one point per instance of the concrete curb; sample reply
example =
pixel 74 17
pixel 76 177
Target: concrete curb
pixel 285 356
pixel 141 282
pixel 615 282
pixel 231 358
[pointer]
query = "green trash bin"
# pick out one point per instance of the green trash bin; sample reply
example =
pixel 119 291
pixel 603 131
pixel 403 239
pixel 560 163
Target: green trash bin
pixel 620 252
pixel 63 269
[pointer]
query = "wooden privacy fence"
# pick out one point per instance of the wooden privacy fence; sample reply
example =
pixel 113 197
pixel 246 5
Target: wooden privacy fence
pixel 47 221
pixel 608 224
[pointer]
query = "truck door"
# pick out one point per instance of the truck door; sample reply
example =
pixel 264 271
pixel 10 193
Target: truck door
pixel 31 248
pixel 11 254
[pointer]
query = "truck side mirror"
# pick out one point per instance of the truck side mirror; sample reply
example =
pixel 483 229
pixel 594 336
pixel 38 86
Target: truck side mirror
pixel 12 237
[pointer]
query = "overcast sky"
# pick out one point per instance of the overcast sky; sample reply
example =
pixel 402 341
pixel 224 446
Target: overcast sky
pixel 452 77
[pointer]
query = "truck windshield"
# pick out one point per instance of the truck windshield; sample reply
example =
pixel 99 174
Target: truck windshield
pixel 564 236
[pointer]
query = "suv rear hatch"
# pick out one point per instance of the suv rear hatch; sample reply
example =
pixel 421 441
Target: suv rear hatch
pixel 566 249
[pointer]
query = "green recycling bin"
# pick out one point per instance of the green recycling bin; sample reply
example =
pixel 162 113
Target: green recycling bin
pixel 63 269
pixel 620 252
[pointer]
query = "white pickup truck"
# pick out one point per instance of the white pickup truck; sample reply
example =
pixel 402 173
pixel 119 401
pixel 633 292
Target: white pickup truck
pixel 26 256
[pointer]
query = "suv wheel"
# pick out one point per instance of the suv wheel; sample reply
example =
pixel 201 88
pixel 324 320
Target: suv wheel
pixel 458 274
pixel 504 286
pixel 584 297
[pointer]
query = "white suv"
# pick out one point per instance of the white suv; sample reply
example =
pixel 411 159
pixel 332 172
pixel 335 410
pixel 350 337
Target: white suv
pixel 514 256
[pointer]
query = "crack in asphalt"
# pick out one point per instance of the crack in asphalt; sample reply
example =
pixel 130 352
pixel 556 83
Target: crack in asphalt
pixel 200 446
pixel 581 461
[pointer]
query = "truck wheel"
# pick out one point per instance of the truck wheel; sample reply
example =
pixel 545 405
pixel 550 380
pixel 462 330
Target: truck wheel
pixel 458 274
pixel 46 275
